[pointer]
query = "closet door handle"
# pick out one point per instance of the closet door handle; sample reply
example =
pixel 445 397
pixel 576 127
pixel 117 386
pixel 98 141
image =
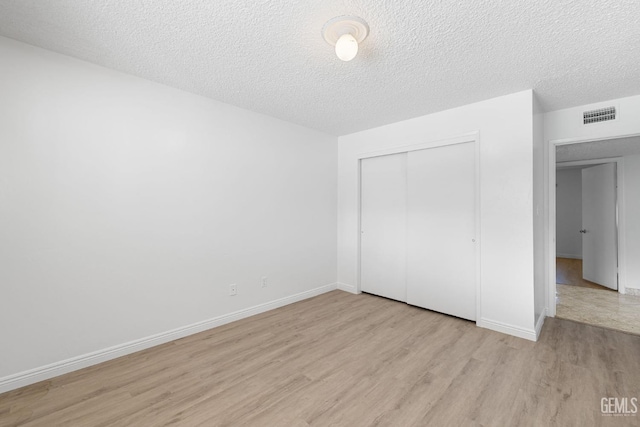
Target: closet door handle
pixel 583 231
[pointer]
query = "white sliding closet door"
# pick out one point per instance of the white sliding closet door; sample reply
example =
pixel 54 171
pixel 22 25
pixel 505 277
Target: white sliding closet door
pixel 383 226
pixel 441 272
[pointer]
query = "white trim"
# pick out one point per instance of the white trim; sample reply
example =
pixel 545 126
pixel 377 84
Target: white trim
pixel 579 140
pixel 478 230
pixel 528 334
pixel 540 322
pixel 570 256
pixel 359 230
pixel 347 288
pixel 459 139
pixel 566 165
pixel 42 373
pixel 551 215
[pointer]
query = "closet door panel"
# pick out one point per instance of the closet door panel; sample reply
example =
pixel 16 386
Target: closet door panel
pixel 383 226
pixel 441 272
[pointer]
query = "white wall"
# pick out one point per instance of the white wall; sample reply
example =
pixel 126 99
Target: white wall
pixel 569 213
pixel 566 125
pixel 539 232
pixel 128 207
pixel 506 161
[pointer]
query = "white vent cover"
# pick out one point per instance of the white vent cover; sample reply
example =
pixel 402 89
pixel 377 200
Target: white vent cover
pixel 599 115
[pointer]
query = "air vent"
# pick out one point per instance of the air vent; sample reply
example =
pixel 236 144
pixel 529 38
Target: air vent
pixel 599 115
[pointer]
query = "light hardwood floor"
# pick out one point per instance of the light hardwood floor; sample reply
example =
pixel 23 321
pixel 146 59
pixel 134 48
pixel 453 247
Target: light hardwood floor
pixel 569 272
pixel 347 360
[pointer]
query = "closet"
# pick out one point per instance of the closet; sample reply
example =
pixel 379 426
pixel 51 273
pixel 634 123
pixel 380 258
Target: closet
pixel 418 220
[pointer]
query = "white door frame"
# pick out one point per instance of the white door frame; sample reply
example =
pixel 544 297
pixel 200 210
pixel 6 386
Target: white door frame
pixel 473 137
pixel 551 203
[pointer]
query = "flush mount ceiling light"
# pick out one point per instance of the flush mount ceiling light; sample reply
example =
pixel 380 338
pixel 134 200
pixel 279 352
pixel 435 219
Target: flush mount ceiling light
pixel 345 32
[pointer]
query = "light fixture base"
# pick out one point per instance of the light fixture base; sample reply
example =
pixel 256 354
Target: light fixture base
pixel 341 25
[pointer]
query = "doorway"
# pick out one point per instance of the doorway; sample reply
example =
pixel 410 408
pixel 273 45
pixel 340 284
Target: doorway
pixel 594 214
pixel 587 223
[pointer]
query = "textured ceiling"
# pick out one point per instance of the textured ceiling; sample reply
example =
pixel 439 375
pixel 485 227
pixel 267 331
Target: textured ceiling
pixel 598 149
pixel 422 56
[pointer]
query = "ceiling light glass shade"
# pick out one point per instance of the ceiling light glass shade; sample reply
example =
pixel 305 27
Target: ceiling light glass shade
pixel 345 33
pixel 346 47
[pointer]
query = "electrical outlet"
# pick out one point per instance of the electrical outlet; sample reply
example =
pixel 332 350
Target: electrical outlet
pixel 233 290
pixel 264 281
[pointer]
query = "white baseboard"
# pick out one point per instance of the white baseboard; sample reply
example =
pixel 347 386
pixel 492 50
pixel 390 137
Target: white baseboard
pixel 571 256
pixel 347 288
pixel 42 373
pixel 627 291
pixel 528 334
pixel 540 322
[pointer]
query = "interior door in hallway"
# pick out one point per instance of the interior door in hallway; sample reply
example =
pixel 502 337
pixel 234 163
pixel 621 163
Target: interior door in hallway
pixel 441 265
pixel 383 226
pixel 599 225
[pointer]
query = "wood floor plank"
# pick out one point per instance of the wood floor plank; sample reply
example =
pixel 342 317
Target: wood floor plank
pixel 347 360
